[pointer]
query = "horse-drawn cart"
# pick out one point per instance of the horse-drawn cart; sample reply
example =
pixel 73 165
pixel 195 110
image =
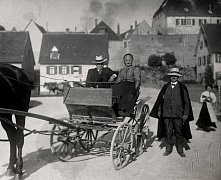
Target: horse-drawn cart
pixel 94 112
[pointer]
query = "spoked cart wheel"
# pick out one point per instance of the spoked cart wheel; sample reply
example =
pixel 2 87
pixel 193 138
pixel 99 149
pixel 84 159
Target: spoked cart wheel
pixel 141 130
pixel 88 138
pixel 64 142
pixel 121 145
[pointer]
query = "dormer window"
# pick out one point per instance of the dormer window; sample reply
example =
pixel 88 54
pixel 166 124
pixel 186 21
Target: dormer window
pixel 54 53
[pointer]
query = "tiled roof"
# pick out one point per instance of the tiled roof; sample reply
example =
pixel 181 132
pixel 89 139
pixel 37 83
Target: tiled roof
pixel 198 8
pixel 74 48
pixel 212 33
pixel 111 34
pixel 2 28
pixel 12 45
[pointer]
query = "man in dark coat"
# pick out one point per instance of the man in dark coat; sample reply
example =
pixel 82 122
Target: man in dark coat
pixel 100 77
pixel 174 111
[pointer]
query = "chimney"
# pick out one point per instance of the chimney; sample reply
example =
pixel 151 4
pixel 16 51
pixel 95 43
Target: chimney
pixel 210 8
pixel 95 22
pixel 135 24
pixel 131 28
pixel 118 29
pixel 67 30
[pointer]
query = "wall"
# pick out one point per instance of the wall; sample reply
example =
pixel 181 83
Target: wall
pixel 145 45
pixel 159 24
pixel 116 52
pixel 200 53
pixel 216 66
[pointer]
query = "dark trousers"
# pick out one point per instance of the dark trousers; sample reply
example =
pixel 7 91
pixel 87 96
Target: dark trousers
pixel 174 127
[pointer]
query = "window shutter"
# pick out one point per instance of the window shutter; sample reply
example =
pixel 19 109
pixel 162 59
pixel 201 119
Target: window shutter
pixel 67 69
pixel 55 69
pixel 80 69
pixel 72 69
pixel 47 70
pixel 59 69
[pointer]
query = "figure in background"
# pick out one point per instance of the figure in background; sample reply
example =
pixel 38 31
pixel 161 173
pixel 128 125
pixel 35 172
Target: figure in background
pixel 100 77
pixel 207 114
pixel 174 111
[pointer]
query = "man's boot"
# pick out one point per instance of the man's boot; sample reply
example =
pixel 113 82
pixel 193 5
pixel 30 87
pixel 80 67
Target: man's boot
pixel 169 149
pixel 180 152
pixel 179 146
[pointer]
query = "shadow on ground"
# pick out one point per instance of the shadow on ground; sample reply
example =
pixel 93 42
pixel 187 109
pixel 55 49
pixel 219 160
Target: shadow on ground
pixel 34 103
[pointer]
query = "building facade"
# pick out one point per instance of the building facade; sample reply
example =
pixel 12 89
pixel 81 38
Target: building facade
pixel 67 56
pixel 208 51
pixel 116 49
pixel 185 16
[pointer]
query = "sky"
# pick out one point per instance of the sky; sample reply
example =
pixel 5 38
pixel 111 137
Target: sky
pixel 57 15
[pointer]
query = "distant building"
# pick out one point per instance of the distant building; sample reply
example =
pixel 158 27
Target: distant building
pixel 208 50
pixel 68 55
pixel 142 28
pixel 139 30
pixel 36 33
pixel 16 49
pixel 116 49
pixel 185 16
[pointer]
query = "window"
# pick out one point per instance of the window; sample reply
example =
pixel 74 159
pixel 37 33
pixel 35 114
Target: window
pixel 218 21
pixel 188 22
pixel 204 21
pixel 193 22
pixel 199 76
pixel 177 22
pixel 201 44
pixel 125 44
pixel 76 70
pixel 204 60
pixel 208 59
pixel 200 21
pixel 54 53
pixel 199 61
pixel 51 70
pixel 218 58
pixel 63 70
pixel 183 22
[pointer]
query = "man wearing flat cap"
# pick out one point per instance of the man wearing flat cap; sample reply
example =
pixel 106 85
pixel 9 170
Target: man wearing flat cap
pixel 100 77
pixel 174 111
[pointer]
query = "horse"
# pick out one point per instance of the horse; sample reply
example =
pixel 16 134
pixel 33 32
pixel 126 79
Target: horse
pixel 53 86
pixel 15 92
pixel 59 87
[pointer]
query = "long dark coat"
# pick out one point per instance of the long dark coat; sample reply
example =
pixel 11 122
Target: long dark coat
pixel 94 76
pixel 161 131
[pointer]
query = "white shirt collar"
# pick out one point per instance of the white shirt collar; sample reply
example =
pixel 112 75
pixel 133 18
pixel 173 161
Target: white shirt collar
pixel 174 82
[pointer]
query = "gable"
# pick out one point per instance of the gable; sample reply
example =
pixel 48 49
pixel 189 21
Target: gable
pixel 106 29
pixel 74 48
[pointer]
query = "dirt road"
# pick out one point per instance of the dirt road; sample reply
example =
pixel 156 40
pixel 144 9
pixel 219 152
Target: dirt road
pixel 202 161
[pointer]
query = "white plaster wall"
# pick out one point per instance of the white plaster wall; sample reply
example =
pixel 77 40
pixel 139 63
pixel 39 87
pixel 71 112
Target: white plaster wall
pixel 116 52
pixel 44 77
pixel 200 53
pixel 168 25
